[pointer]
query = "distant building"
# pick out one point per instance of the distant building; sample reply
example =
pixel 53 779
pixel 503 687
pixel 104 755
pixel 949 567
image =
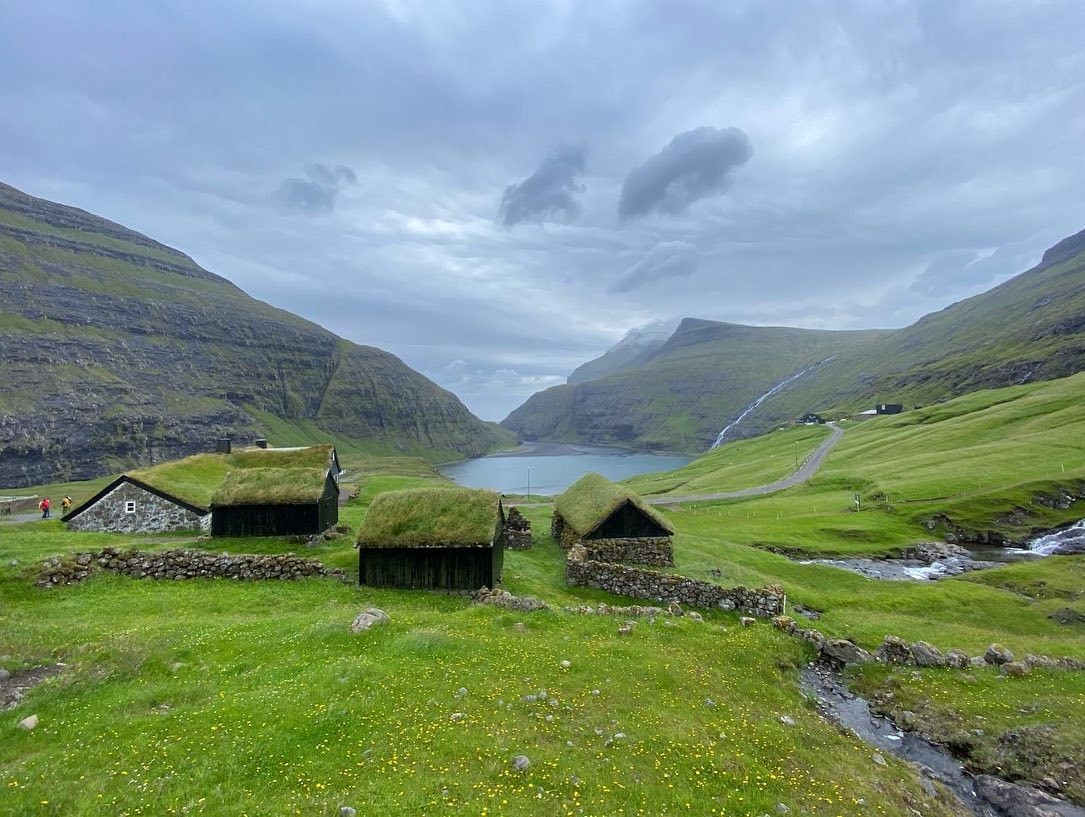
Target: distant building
pixel 275 502
pixel 129 505
pixel 612 522
pixel 446 538
pixel 889 408
pixel 812 419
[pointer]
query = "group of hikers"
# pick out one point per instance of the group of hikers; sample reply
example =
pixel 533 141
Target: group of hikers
pixel 46 505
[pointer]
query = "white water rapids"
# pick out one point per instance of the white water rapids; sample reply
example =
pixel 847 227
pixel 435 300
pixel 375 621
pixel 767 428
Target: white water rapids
pixel 783 384
pixel 1047 544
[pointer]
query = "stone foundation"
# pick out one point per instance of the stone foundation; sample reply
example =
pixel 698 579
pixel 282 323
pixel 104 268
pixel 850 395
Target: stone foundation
pixel 180 564
pixel 581 571
pixel 647 550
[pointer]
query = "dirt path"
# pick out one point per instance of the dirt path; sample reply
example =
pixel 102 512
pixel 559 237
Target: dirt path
pixel 808 469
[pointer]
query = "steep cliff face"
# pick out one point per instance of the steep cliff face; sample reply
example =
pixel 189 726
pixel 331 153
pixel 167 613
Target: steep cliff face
pixel 116 350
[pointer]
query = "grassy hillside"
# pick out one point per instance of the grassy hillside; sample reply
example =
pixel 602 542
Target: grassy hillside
pixel 1028 329
pixel 231 698
pixel 118 351
pixel 988 461
pixel 700 379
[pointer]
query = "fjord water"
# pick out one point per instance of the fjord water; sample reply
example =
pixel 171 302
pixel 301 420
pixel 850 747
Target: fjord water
pixel 553 467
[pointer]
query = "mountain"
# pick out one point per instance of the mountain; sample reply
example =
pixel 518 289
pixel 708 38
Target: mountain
pixel 117 351
pixel 1031 327
pixel 686 391
pixel 636 347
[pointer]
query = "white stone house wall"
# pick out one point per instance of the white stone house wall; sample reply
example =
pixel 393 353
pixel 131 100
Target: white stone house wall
pixel 131 509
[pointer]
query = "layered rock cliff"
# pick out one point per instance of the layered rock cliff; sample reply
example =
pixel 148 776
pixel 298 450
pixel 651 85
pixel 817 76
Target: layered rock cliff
pixel 117 351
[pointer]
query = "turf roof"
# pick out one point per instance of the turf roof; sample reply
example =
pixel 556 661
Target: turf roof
pixel 314 456
pixel 592 498
pixel 271 486
pixel 431 517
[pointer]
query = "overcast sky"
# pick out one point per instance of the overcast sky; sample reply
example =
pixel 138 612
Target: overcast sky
pixel 497 192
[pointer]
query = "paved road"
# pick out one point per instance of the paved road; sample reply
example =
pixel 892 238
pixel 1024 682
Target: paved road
pixel 808 469
pixel 24 517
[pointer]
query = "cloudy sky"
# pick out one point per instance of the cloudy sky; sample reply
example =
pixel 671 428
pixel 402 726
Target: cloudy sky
pixel 497 192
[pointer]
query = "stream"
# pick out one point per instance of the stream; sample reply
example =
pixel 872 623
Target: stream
pixel 934 561
pixel 842 707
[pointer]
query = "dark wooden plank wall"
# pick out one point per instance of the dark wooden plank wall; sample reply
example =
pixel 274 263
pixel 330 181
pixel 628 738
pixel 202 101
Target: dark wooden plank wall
pixel 627 522
pixel 430 568
pixel 267 520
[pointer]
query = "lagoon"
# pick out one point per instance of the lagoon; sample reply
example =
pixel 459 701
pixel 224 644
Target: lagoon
pixel 553 467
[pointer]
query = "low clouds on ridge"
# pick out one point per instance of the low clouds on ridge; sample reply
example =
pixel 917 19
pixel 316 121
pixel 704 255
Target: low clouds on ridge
pixel 548 193
pixel 694 165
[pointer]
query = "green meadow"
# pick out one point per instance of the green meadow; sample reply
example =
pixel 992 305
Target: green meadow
pixel 213 697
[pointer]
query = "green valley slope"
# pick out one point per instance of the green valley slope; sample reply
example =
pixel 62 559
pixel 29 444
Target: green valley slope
pixel 1027 329
pixel 117 351
pixel 702 377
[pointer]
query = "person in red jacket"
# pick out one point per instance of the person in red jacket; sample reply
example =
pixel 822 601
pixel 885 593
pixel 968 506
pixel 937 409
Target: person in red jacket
pixel 45 505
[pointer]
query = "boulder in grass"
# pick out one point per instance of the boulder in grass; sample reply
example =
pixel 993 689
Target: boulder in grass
pixel 996 655
pixel 1015 669
pixel 927 655
pixel 28 723
pixel 845 652
pixel 368 618
pixel 894 650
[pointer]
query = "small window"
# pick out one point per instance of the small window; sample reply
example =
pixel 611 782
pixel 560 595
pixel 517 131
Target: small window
pixel 130 507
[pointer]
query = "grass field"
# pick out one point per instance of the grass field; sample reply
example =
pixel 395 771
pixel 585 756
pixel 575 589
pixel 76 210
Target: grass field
pixel 240 699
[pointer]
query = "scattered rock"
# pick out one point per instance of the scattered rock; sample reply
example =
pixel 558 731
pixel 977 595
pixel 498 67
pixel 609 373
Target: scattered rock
pixel 693 615
pixel 957 659
pixel 370 617
pixel 1068 616
pixel 806 612
pixel 845 652
pixel 782 809
pixel 927 655
pixel 787 720
pixel 347 811
pixel 29 722
pixel 894 650
pixel 461 692
pixel 1017 801
pixel 521 762
pixel 997 654
pixel 627 628
pixel 507 601
pixel 877 758
pixel 4 674
pixel 565 664
pixel 176 666
pixel 456 717
pixel 746 621
pixel 1015 669
pixel 709 703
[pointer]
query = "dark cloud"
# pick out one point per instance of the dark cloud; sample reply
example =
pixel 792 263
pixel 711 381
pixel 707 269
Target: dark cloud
pixel 668 259
pixel 547 194
pixel 694 165
pixel 316 193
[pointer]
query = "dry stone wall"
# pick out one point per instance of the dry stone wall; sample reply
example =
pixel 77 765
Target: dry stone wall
pixel 151 514
pixel 582 571
pixel 180 564
pixel 648 550
pixel 517 531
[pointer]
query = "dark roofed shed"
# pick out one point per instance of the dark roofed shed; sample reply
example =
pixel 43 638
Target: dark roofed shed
pixel 275 502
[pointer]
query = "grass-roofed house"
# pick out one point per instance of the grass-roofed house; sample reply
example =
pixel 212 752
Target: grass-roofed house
pixel 612 523
pixel 275 502
pixel 445 538
pixel 323 456
pixel 130 505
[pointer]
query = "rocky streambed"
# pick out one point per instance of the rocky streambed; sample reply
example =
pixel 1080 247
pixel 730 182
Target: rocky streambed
pixel 930 561
pixel 983 795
